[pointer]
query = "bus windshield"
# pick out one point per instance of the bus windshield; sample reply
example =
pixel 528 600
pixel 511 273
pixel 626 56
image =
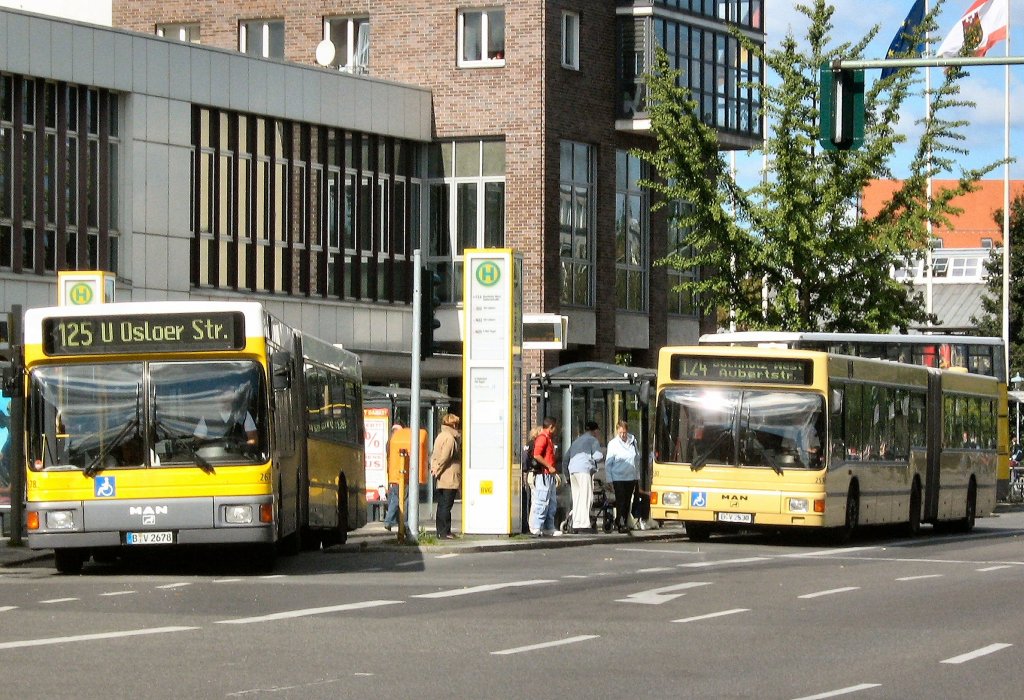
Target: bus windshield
pixel 740 428
pixel 98 416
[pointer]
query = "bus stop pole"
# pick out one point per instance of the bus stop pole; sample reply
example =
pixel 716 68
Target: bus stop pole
pixel 413 510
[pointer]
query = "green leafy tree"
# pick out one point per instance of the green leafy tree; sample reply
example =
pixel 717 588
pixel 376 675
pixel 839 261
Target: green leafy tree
pixel 991 322
pixel 797 239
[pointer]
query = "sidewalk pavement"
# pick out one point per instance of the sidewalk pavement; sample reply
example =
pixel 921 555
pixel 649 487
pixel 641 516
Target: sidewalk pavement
pixel 374 538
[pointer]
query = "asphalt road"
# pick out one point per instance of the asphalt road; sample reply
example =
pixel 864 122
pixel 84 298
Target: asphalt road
pixel 739 617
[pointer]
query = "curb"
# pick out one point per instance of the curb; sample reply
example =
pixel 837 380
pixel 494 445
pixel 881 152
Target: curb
pixel 469 545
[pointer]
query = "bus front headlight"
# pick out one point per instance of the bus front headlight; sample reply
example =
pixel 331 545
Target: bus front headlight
pixel 671 498
pixel 798 505
pixel 60 520
pixel 238 515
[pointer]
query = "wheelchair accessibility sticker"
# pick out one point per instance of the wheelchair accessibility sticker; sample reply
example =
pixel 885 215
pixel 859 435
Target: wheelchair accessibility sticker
pixel 104 487
pixel 698 499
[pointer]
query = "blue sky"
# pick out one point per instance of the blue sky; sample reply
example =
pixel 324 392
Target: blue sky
pixel 984 85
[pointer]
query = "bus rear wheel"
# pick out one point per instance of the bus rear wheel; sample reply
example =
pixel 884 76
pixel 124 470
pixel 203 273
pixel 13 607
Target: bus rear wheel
pixel 68 561
pixel 914 516
pixel 970 512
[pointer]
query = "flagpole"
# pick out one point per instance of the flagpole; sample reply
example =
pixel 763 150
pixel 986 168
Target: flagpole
pixel 1006 194
pixel 927 120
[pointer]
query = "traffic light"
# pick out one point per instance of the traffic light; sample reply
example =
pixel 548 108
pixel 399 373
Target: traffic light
pixel 430 301
pixel 841 117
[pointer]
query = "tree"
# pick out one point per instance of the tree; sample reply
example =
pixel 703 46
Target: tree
pixel 798 234
pixel 991 323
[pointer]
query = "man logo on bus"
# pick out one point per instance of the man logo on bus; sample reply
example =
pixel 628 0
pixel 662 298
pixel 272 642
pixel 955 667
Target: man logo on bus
pixel 698 499
pixel 488 273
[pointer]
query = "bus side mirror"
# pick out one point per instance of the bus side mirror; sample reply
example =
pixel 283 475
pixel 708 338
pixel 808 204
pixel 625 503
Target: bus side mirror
pixel 644 395
pixel 281 370
pixel 837 402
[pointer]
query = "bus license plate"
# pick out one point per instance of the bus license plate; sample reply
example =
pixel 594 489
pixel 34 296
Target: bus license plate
pixel 735 518
pixel 149 537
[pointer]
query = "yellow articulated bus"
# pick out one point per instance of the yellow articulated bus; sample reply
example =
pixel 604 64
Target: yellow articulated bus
pixel 187 423
pixel 770 438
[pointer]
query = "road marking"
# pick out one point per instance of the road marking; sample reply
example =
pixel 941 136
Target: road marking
pixel 917 578
pixel 830 552
pixel 720 613
pixel 546 645
pixel 575 576
pixel 723 562
pixel 174 585
pixel 57 600
pixel 995 568
pixel 971 655
pixel 830 592
pixel 483 589
pixel 113 593
pixel 370 570
pixel 447 556
pixel 5 608
pixel 654 570
pixel 306 612
pixel 226 580
pixel 273 576
pixel 657 596
pixel 651 550
pixel 841 691
pixel 414 562
pixel 92 637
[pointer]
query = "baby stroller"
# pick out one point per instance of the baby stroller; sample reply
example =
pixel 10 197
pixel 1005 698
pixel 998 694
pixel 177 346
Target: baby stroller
pixel 602 510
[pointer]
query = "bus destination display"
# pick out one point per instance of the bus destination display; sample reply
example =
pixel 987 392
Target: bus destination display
pixel 133 333
pixel 742 370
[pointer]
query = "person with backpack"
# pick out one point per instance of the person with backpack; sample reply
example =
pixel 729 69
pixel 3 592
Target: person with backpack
pixel 620 466
pixel 544 481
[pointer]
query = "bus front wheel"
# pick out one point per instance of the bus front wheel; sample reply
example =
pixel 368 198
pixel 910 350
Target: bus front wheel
pixel 698 532
pixel 68 561
pixel 846 530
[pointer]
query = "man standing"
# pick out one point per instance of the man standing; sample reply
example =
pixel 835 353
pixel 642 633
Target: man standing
pixel 545 481
pixel 582 458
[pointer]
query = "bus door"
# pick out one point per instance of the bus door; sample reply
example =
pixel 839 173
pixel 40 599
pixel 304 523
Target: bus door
pixel 934 419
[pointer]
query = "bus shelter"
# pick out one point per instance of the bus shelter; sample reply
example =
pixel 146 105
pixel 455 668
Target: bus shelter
pixel 605 393
pixel 396 403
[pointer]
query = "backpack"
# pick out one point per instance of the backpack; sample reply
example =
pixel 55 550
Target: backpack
pixel 529 463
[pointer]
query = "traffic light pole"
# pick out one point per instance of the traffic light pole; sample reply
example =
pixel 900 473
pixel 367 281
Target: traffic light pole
pixel 412 510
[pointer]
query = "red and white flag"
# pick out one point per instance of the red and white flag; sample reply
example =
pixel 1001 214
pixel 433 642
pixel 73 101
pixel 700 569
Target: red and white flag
pixel 984 25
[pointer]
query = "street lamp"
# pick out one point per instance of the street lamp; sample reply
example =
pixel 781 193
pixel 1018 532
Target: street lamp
pixel 1016 381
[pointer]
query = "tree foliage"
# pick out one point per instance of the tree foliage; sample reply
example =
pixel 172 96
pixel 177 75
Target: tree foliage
pixel 794 252
pixel 991 322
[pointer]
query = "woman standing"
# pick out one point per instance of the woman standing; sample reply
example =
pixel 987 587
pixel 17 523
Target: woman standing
pixel 446 466
pixel 620 468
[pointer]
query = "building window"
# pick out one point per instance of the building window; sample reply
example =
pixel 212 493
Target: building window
pixel 59 174
pixel 351 39
pixel 631 233
pixel 576 189
pixel 986 243
pixel 299 209
pixel 466 206
pixel 680 301
pixel 182 32
pixel 262 37
pixel 481 40
pixel 571 40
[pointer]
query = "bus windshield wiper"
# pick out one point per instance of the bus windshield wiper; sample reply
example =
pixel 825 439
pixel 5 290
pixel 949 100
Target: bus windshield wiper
pixel 700 460
pixel 119 440
pixel 769 458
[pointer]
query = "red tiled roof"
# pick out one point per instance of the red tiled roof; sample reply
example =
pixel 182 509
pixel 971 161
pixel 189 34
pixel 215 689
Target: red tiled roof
pixel 967 229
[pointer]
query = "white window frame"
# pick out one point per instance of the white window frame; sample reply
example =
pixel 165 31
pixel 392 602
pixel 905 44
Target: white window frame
pixel 264 24
pixel 484 61
pixel 571 40
pixel 187 32
pixel 357 58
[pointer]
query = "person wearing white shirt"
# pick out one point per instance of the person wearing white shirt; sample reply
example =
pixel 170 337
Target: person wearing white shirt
pixel 621 468
pixel 582 459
